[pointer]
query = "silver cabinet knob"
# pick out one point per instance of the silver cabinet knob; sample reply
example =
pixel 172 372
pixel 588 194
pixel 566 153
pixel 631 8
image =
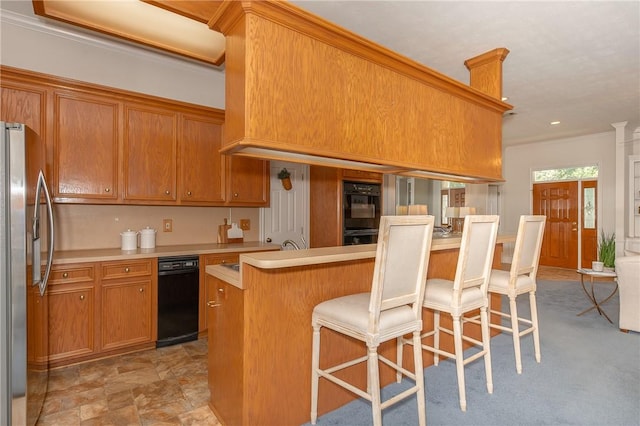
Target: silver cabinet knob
pixel 126 269
pixel 167 192
pixel 141 290
pixel 107 190
pixel 65 275
pixel 82 297
pixel 189 193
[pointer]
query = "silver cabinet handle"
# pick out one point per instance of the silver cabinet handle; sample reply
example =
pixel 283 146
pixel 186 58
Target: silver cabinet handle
pixel 126 269
pixel 213 304
pixel 167 192
pixel 82 297
pixel 107 190
pixel 189 193
pixel 65 275
pixel 141 290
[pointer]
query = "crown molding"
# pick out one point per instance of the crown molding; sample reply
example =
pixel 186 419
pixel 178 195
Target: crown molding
pixel 33 23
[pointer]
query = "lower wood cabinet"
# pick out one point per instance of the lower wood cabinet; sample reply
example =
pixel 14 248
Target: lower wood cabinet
pixel 205 296
pixel 225 312
pixel 127 303
pixel 71 299
pixel 97 309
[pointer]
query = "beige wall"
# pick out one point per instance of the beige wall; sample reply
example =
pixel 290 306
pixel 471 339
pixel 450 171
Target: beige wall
pixel 81 227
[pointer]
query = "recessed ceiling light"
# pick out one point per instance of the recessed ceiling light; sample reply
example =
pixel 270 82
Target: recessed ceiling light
pixel 553 123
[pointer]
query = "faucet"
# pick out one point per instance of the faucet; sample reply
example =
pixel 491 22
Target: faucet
pixel 291 243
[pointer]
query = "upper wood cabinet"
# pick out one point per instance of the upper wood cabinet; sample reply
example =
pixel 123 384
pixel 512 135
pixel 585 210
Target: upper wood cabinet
pixel 325 206
pixel 201 164
pixel 110 146
pixel 248 181
pixel 150 154
pixel 85 147
pixel 26 103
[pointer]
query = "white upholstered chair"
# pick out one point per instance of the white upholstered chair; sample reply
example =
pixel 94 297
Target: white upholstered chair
pixel 521 279
pixel 467 292
pixel 393 308
pixel 628 271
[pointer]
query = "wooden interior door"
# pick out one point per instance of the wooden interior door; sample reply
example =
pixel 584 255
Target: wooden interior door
pixel 558 201
pixel 589 228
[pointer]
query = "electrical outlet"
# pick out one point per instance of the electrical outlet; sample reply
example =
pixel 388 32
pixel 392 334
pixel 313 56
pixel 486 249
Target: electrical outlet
pixel 245 224
pixel 167 225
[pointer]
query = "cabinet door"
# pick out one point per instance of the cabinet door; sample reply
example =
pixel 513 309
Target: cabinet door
pixel 27 105
pixel 248 181
pixel 225 350
pixel 71 321
pixel 325 206
pixel 201 164
pixel 126 313
pixel 210 259
pixel 150 154
pixel 85 148
pixel 71 297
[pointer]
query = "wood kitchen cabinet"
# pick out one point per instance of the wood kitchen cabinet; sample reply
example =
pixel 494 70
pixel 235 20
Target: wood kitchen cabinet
pixel 86 159
pixel 225 314
pixel 26 103
pixel 150 154
pixel 325 206
pixel 205 296
pixel 71 299
pixel 248 181
pixel 128 303
pixel 201 164
pixel 111 146
pixel 361 176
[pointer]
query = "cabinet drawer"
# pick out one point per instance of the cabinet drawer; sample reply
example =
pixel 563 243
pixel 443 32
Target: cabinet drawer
pixel 116 270
pixel 70 274
pixel 216 259
pixel 361 175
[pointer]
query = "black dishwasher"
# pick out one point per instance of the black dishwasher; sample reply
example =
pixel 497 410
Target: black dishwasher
pixel 178 299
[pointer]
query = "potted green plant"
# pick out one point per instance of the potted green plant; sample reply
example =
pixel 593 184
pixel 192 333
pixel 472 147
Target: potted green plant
pixel 285 178
pixel 607 249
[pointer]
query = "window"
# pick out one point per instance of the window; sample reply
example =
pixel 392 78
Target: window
pixel 570 173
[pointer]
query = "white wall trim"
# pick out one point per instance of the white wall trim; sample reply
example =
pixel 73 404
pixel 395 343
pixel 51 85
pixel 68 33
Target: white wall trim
pixel 62 30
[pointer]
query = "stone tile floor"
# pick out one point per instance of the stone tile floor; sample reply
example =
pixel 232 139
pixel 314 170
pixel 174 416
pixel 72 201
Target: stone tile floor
pixel 167 386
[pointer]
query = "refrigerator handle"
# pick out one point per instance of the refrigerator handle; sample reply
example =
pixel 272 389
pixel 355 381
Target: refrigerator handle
pixel 42 281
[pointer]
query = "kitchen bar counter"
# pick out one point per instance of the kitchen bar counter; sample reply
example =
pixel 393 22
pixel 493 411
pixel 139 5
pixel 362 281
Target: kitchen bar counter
pixel 260 329
pixel 109 254
pixel 292 258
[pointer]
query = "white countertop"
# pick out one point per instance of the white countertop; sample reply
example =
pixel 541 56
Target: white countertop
pixel 291 258
pixel 109 254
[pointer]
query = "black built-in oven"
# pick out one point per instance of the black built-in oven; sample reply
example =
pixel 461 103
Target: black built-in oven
pixel 361 206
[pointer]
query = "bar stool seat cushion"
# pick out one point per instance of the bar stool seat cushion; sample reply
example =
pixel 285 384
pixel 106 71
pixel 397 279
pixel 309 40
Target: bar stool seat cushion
pixel 499 282
pixel 351 313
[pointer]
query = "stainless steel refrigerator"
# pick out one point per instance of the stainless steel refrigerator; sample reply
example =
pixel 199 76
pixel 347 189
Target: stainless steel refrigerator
pixel 25 213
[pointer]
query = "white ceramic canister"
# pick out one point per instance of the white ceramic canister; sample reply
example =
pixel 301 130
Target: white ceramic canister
pixel 129 240
pixel 147 238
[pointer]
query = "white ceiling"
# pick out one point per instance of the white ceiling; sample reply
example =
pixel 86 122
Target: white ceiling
pixel 577 62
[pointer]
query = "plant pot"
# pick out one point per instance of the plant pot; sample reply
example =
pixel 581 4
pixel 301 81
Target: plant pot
pixel 286 183
pixel 597 266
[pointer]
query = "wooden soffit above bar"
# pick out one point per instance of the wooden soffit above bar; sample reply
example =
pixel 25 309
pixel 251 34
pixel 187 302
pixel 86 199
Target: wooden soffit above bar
pixel 299 88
